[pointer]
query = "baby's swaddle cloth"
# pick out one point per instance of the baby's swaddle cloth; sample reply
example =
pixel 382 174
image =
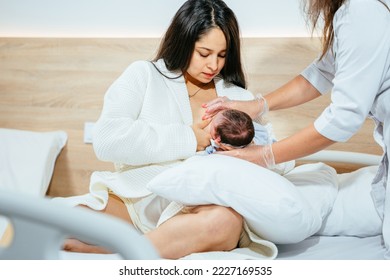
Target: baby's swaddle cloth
pixel 212 148
pixel 263 134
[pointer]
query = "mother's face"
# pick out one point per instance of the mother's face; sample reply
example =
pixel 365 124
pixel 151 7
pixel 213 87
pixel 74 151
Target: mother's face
pixel 208 57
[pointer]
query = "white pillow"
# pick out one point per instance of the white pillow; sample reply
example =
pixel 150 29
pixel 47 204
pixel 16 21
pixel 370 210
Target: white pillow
pixel 354 212
pixel 318 183
pixel 27 159
pixel 272 206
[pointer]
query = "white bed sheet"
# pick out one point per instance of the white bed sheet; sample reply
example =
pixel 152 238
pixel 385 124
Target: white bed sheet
pixel 334 248
pixel 312 248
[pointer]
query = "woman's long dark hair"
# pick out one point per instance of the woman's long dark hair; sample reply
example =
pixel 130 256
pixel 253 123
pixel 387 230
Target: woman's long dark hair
pixel 193 20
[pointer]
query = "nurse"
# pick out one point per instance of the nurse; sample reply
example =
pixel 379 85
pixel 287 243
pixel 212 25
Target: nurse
pixel 355 66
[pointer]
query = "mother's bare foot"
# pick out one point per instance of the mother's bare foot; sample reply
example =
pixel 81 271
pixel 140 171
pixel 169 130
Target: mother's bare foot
pixel 74 245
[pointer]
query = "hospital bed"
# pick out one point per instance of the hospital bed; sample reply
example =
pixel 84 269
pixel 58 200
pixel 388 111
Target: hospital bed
pixel 39 227
pixel 39 224
pixel 32 225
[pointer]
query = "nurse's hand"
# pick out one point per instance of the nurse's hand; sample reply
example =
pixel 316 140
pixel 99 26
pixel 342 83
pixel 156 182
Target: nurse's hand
pixel 260 155
pixel 253 108
pixel 214 106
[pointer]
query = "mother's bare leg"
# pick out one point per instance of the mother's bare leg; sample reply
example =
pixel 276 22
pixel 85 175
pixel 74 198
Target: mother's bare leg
pixel 115 207
pixel 205 228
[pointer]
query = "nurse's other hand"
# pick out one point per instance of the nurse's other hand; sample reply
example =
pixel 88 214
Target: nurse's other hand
pixel 253 107
pixel 214 106
pixel 260 155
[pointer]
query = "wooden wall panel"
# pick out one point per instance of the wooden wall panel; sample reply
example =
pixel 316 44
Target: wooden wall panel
pixel 58 84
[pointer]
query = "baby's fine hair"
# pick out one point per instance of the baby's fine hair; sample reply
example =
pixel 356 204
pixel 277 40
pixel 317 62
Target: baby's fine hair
pixel 235 128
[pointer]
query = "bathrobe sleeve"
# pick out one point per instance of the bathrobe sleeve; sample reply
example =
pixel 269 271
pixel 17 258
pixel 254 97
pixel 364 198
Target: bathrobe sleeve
pixel 141 122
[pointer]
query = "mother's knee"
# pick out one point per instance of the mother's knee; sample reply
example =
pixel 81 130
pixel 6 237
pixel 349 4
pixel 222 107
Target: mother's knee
pixel 222 226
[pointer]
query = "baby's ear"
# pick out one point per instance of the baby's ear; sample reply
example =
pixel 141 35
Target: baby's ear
pixel 218 140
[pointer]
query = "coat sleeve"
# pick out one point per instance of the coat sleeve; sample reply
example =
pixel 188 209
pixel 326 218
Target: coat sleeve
pixel 361 48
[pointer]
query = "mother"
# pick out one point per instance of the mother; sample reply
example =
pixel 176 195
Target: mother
pixel 152 119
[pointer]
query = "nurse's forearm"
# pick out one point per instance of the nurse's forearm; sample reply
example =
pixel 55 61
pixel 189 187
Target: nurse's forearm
pixel 303 143
pixel 295 92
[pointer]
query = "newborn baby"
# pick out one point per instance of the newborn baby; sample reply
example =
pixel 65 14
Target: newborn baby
pixel 232 129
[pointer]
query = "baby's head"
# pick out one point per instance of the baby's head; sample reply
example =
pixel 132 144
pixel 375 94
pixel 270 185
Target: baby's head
pixel 232 128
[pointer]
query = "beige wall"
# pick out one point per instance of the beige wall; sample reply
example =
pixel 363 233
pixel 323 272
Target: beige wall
pixel 58 84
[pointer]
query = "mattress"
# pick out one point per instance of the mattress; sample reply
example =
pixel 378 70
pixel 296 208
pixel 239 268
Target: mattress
pixel 334 248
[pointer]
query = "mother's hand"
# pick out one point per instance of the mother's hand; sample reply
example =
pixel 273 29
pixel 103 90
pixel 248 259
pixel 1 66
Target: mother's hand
pixel 202 135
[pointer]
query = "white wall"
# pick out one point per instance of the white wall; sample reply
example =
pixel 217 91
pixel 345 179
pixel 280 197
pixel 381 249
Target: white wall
pixel 137 18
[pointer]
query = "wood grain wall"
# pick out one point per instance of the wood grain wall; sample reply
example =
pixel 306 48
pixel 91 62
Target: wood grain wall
pixel 58 84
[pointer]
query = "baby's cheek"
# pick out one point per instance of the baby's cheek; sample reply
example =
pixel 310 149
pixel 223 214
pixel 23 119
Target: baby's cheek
pixel 207 129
